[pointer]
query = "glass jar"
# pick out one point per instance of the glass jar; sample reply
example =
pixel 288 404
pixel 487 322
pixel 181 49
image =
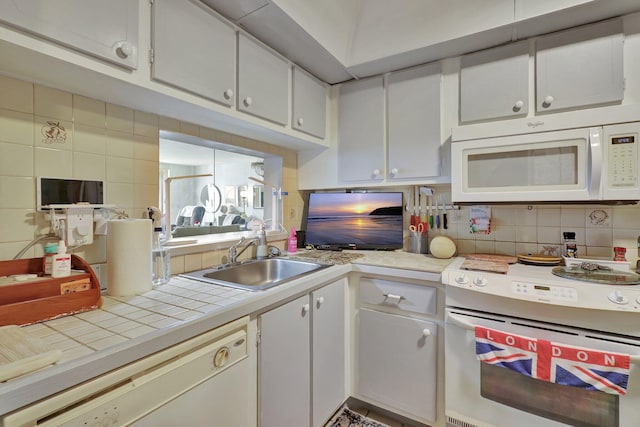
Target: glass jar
pixel 570 246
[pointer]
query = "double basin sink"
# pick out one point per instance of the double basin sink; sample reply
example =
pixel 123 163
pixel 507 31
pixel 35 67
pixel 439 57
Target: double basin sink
pixel 256 275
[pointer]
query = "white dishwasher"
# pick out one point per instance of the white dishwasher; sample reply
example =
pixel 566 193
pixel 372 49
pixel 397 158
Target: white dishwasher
pixel 202 381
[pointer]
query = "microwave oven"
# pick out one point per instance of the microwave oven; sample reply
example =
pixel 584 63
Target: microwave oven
pixel 573 165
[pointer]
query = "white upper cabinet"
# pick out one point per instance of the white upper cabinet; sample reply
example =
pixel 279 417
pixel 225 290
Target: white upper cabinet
pixel 193 50
pixel 105 29
pixel 413 98
pixel 494 83
pixel 309 104
pixel 263 81
pixel 361 131
pixel 580 67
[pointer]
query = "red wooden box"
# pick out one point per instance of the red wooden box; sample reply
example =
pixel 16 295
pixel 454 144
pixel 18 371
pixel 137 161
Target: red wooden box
pixel 46 298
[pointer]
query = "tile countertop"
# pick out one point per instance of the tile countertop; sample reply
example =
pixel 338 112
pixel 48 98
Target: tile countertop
pixel 126 329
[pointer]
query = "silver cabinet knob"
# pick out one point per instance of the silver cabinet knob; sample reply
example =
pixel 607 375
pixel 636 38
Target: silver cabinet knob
pixel 248 101
pixel 228 94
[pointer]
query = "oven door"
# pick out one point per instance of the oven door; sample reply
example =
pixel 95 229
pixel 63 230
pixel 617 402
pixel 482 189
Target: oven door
pixel 479 394
pixel 547 166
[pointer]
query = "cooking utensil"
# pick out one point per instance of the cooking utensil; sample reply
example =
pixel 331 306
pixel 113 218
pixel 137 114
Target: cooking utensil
pixel 437 216
pixel 423 210
pixel 420 228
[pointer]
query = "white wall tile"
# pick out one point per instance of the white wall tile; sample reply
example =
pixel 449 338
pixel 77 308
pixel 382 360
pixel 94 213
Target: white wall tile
pixel 598 217
pixel 626 217
pixel 506 248
pixel 145 124
pixel 572 217
pixel 526 217
pixel 192 262
pixel 17 95
pixel 146 148
pixel 17 192
pixel 145 195
pixel 120 169
pixel 119 144
pixel 17 225
pixel 53 133
pixel 169 124
pixel 89 166
pixel 599 237
pixel 526 234
pixel 505 233
pixel 548 217
pixel 89 111
pixel 466 247
pixel 54 103
pixel 503 216
pixel 119 118
pixel 485 247
pixel 549 235
pixel 145 172
pixel 526 248
pixel 16 127
pixel 89 139
pixel 120 194
pixel 16 159
pixel 53 163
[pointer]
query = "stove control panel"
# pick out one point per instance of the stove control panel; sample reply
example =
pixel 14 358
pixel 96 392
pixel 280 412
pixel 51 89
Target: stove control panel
pixel 538 285
pixel 545 292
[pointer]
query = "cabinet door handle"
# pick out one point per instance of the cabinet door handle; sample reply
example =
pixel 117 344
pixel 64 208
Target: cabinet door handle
pixel 305 310
pixel 319 301
pixel 548 100
pixel 300 121
pixel 394 171
pixel 375 172
pixel 426 333
pixel 228 94
pixel 248 101
pixel 392 299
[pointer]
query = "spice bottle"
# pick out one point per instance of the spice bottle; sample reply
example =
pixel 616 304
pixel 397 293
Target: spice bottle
pixel 619 253
pixel 570 246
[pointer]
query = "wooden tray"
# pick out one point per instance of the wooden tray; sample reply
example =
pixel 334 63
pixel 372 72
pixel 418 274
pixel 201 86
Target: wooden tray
pixel 45 298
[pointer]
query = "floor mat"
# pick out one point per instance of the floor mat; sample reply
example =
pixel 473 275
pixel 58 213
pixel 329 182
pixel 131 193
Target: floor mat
pixel 345 417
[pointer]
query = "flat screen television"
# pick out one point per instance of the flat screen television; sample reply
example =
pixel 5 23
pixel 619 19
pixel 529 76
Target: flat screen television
pixel 354 220
pixel 61 191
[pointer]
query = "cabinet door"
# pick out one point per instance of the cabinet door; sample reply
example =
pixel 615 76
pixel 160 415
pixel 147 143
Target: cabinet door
pixel 580 67
pixel 407 383
pixel 494 83
pixel 329 364
pixel 309 104
pixel 361 131
pixel 106 29
pixel 193 50
pixel 413 98
pixel 263 82
pixel 284 382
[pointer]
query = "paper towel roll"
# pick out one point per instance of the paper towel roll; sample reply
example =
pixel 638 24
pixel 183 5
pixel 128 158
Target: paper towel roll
pixel 128 256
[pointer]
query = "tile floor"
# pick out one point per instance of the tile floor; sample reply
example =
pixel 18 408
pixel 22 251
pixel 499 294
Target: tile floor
pixel 377 416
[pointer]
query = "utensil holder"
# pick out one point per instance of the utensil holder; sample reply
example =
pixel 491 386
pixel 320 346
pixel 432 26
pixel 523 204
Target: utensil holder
pixel 419 242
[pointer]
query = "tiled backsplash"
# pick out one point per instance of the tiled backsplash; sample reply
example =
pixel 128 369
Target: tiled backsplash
pixel 53 133
pixel 519 229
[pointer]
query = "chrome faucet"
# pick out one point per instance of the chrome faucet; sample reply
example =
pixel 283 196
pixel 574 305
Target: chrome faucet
pixel 233 250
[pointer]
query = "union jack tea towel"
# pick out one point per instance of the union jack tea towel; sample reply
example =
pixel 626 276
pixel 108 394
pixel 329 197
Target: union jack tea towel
pixel 553 362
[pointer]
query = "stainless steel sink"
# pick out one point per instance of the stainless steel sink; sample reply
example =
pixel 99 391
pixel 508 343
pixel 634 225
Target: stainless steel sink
pixel 257 275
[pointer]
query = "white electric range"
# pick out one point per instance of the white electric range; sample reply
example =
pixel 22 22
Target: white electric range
pixel 531 301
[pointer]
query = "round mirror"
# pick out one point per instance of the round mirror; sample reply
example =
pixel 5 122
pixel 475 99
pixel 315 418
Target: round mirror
pixel 211 198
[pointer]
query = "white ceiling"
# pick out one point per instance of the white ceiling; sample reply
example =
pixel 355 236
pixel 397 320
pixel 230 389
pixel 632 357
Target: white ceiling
pixel 338 40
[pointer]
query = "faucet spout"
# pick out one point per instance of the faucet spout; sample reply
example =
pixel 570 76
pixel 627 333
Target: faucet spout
pixel 233 250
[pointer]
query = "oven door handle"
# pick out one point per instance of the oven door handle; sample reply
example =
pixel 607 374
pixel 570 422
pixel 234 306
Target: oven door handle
pixel 459 322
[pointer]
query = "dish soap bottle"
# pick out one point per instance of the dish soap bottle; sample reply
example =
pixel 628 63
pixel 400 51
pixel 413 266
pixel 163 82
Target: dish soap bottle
pixel 292 245
pixel 263 249
pixel 61 262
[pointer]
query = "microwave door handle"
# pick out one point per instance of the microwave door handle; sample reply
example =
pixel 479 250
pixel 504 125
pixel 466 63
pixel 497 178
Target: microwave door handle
pixel 595 152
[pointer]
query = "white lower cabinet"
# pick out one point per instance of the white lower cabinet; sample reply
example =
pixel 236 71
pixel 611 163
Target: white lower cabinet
pixel 398 349
pixel 302 359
